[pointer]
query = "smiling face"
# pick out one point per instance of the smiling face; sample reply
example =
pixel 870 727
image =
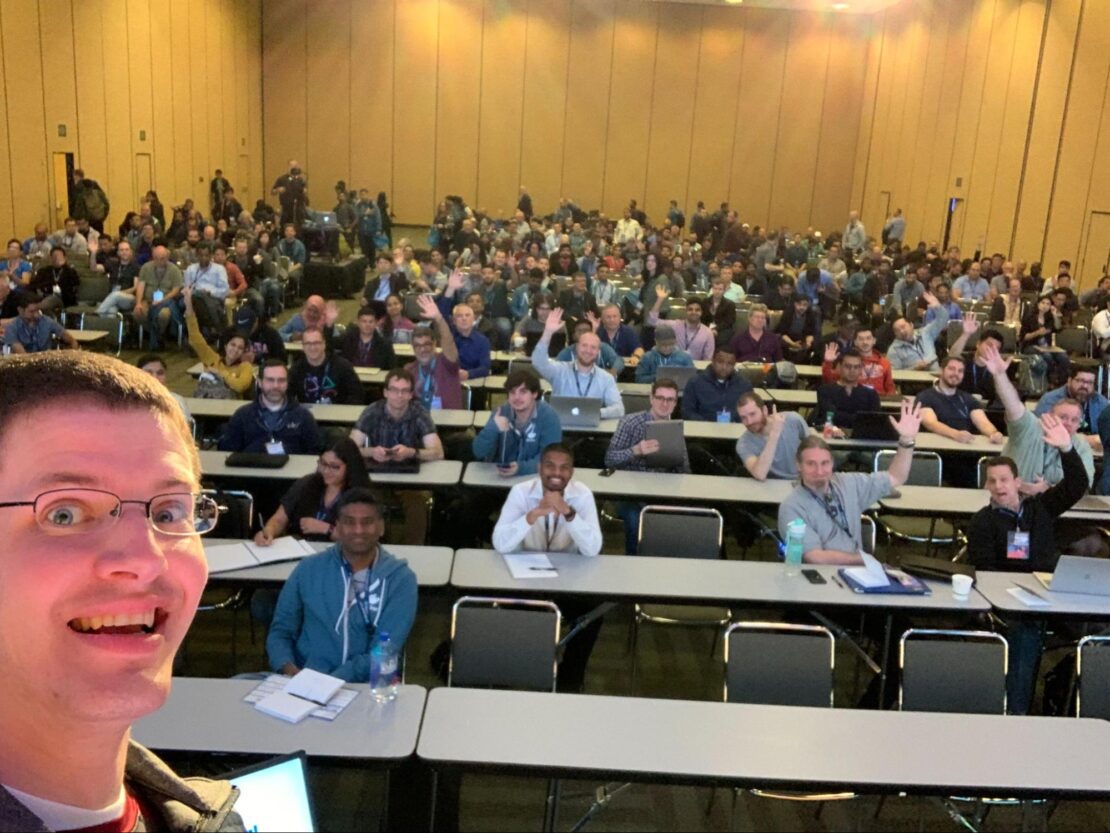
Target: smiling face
pixel 815 468
pixel 52 587
pixel 556 470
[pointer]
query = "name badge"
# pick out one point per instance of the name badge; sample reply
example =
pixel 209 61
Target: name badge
pixel 57 289
pixel 1017 545
pixel 275 447
pixel 724 416
pixel 158 296
pixel 437 403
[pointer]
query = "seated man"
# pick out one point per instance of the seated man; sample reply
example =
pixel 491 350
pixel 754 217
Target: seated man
pixel 56 283
pixel 331 626
pixel 389 280
pixel 831 504
pixel 692 337
pixel 210 287
pixel 917 349
pixel 520 429
pixel 799 328
pixel 555 513
pixel 289 246
pixel 769 445
pixel 977 379
pixel 1015 533
pixel 364 345
pixel 876 373
pixel 757 343
pixel 93 613
pixel 33 332
pixel 576 300
pixel 398 428
pixel 156 289
pixel 1080 386
pixel 663 354
pixel 608 359
pixel 312 314
pixel 1039 463
pixel 436 374
pixel 483 323
pixel 619 336
pixel 322 376
pixel 719 313
pixel 122 272
pixel 154 366
pixel 273 423
pixel 473 348
pixel 581 377
pixel 629 449
pixel 838 403
pixel 972 286
pixel 711 396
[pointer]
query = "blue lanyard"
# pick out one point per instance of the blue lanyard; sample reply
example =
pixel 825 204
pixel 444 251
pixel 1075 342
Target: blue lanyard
pixel 427 380
pixel 578 382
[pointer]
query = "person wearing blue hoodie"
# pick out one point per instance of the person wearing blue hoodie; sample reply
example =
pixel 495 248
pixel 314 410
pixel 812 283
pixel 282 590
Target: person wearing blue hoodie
pixel 335 604
pixel 520 429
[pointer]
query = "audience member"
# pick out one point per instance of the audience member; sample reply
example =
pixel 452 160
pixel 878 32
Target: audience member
pixel 768 447
pixel 273 423
pixel 712 394
pixel 33 332
pixel 839 402
pixel 321 376
pixel 231 374
pixel 520 429
pixel 580 377
pixel 436 373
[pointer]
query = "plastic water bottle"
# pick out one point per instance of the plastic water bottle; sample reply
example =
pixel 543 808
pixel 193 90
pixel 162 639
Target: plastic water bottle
pixel 830 425
pixel 795 546
pixel 384 679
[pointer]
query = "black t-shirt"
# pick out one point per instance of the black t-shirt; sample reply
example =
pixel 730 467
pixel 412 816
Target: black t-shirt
pixel 305 499
pixel 954 411
pixel 844 404
pixel 332 383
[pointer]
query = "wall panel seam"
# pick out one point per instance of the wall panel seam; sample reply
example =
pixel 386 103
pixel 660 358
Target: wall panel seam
pixel 1063 125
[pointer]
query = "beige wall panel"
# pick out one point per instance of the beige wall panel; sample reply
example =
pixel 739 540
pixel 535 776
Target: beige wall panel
pixel 588 85
pixel 766 34
pixel 677 64
pixel 8 226
pixel 868 109
pixel 229 81
pixel 328 145
pixel 203 164
pixel 1015 126
pixel 414 110
pixel 1067 211
pixel 251 51
pixel 284 103
pixel 501 105
pixel 893 60
pixel 546 58
pixel 840 123
pixel 630 96
pixel 715 102
pixel 457 100
pixel 984 164
pixel 178 70
pixel 162 136
pixel 119 178
pixel 916 50
pixel 142 96
pixel 371 96
pixel 23 96
pixel 58 74
pixel 1094 241
pixel 1038 171
pixel 795 168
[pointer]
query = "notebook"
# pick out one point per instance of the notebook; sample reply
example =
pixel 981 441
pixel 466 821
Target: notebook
pixel 273 795
pixel 244 554
pixel 302 695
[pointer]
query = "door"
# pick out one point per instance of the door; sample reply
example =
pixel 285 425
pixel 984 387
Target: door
pixel 62 174
pixel 1095 261
pixel 954 225
pixel 143 181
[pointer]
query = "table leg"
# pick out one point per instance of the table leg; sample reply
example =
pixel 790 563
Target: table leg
pixel 885 659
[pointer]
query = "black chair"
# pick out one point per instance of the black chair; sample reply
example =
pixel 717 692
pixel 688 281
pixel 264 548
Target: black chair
pixel 1092 677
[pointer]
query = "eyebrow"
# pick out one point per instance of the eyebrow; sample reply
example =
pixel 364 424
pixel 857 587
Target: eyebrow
pixel 81 479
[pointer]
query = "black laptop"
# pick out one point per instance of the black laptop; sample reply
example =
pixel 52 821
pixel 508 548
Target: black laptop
pixel 256 460
pixel 873 425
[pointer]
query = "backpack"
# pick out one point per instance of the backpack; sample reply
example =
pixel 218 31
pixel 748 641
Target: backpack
pixel 211 386
pixel 96 204
pixel 1032 375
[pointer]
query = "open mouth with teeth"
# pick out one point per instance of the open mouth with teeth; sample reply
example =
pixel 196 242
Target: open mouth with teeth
pixel 124 624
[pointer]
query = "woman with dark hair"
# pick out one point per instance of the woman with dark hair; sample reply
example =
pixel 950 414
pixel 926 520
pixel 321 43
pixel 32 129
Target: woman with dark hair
pixel 308 508
pixel 387 217
pixel 564 265
pixel 395 326
pixel 530 329
pixel 126 226
pixel 265 243
pixel 157 210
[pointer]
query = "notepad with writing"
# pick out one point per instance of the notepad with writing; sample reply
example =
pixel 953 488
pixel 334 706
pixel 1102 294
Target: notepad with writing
pixel 244 554
pixel 294 699
pixel 530 565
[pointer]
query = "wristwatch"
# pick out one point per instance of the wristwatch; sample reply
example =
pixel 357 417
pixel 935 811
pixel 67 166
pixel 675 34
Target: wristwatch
pixel 904 443
pixel 570 516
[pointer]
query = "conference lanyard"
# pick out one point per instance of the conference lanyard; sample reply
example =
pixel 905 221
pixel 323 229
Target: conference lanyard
pixel 427 381
pixel 549 533
pixel 833 507
pixel 578 383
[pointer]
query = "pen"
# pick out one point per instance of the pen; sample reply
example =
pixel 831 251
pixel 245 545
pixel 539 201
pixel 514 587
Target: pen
pixel 836 581
pixel 1031 592
pixel 543 569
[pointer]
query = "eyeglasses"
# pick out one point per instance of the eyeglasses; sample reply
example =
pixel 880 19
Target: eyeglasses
pixel 324 464
pixel 666 400
pixel 399 391
pixel 83 511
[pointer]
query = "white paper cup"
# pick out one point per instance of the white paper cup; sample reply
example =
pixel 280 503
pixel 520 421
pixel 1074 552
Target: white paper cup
pixel 961 586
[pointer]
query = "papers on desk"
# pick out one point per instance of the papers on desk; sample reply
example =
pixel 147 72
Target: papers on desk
pixel 870 575
pixel 243 554
pixel 530 565
pixel 294 698
pixel 1027 597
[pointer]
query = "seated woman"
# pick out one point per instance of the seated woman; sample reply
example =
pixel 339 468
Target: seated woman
pixel 235 368
pixel 308 508
pixel 395 326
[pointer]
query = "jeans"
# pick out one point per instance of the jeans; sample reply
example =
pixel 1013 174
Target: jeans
pixel 116 302
pixel 1026 637
pixel 157 321
pixel 630 514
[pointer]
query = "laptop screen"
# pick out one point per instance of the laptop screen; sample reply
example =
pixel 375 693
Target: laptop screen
pixel 274 795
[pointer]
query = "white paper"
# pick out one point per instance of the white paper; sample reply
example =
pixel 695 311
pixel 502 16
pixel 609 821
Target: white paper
pixel 314 686
pixel 1027 598
pixel 226 557
pixel 244 554
pixel 286 548
pixel 278 682
pixel 525 565
pixel 284 705
pixel 871 574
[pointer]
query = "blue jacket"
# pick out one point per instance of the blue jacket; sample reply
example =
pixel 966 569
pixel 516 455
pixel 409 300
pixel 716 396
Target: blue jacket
pixel 247 429
pixel 625 342
pixel 706 396
pixel 369 220
pixel 311 615
pixel 294 250
pixel 652 360
pixel 522 447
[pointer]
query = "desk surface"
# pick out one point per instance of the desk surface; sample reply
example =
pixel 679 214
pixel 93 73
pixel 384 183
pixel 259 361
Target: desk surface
pixel 88 336
pixel 709 581
pixel 324 414
pixel 702 488
pixel 437 474
pixel 954 503
pixel 994 587
pixel 366 375
pixel 209 715
pixel 691 741
pixel 432 565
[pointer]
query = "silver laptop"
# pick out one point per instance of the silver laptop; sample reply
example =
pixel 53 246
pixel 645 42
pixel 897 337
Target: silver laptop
pixel 1092 503
pixel 1076 574
pixel 672 443
pixel 680 375
pixel 577 411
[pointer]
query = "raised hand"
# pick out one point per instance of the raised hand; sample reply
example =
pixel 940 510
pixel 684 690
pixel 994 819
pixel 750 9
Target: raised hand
pixel 501 422
pixel 970 323
pixel 1055 433
pixel 661 292
pixel 832 351
pixel 455 281
pixel 595 322
pixel 992 359
pixel 428 308
pixel 909 421
pixel 930 299
pixel 554 322
pixel 331 313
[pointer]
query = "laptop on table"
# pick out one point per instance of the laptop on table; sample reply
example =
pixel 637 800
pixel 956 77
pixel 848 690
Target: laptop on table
pixel 273 795
pixel 680 375
pixel 1077 574
pixel 577 411
pixel 874 425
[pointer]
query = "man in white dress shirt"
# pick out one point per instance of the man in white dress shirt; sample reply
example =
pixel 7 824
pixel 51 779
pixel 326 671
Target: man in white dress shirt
pixel 555 513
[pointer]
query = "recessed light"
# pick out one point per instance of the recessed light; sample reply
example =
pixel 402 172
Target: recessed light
pixel 734 2
pixel 839 7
